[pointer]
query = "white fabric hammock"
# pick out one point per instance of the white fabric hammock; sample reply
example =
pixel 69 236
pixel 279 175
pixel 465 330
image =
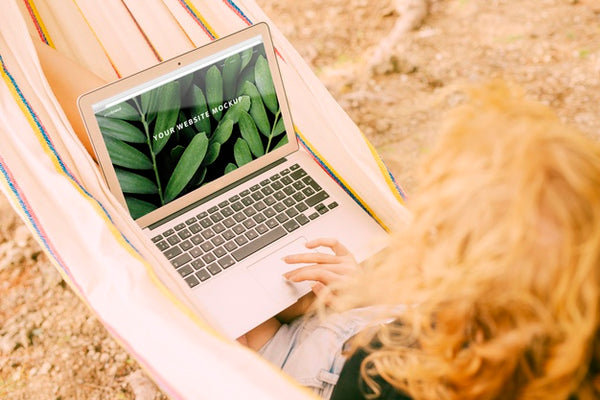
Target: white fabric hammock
pixel 58 191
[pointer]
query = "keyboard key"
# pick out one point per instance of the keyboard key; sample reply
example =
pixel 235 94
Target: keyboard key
pixel 241 240
pixel 181 260
pixel 314 215
pixel 228 235
pixel 262 229
pixel 249 223
pixel 227 212
pixel 172 252
pixel 157 239
pixel 301 207
pixel 162 246
pixel 254 188
pixel 282 218
pixel 218 240
pixel 184 234
pixel 179 227
pixel 197 264
pixel 185 270
pixel 239 229
pixel 279 196
pixel 202 215
pixel 202 275
pixel 223 204
pixel 289 190
pixel 218 228
pixel 277 185
pixel 173 240
pixel 270 200
pixel 219 252
pixel 317 198
pixel 214 268
pixel 195 228
pixel 239 217
pixel 192 281
pixel 321 209
pixel 251 234
pixel 267 191
pixel 299 196
pixel 298 185
pixel 250 211
pixel 197 239
pixel 195 252
pixel 285 171
pixel 311 182
pixel 332 205
pixel 230 246
pixel 247 201
pixel 207 246
pixel 292 212
pixel 245 193
pixel 206 222
pixel 229 222
pixel 298 174
pixel 279 207
pixel 308 191
pixel 234 198
pixel 208 258
pixel 237 206
pixel 216 217
pixel 190 221
pixel 265 182
pixel 289 202
pixel 294 167
pixel 258 218
pixel 186 245
pixel 208 233
pixel 168 232
pixel 272 223
pixel 226 262
pixel 259 206
pixel 269 212
pixel 213 209
pixel 258 244
pixel 302 219
pixel 291 225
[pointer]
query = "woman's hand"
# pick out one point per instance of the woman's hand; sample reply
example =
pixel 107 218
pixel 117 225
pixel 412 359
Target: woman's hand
pixel 325 269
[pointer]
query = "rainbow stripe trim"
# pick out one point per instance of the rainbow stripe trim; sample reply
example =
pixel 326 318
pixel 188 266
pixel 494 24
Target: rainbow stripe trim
pixel 238 11
pixel 37 21
pixel 195 14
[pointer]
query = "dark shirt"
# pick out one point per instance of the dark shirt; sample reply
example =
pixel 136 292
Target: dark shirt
pixel 351 386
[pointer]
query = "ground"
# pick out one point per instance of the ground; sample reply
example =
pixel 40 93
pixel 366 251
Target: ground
pixel 51 347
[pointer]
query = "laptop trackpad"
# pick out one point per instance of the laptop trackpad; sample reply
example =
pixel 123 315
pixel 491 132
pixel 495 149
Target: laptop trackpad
pixel 268 272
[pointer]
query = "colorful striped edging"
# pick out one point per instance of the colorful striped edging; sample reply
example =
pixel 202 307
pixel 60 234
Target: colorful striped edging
pixel 33 221
pixel 37 21
pixel 238 11
pixel 195 14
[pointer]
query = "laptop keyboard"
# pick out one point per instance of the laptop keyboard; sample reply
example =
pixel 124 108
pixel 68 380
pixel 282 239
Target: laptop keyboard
pixel 216 239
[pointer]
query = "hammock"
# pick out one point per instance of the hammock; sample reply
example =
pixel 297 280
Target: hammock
pixel 58 191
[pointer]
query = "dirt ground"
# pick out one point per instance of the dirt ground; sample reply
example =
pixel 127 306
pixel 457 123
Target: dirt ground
pixel 50 345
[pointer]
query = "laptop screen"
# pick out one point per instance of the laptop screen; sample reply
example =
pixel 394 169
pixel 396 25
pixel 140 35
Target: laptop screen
pixel 177 132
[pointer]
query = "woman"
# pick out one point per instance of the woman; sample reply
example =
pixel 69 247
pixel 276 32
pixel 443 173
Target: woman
pixel 499 268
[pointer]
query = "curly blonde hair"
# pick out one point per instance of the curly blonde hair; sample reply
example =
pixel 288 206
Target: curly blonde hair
pixel 499 265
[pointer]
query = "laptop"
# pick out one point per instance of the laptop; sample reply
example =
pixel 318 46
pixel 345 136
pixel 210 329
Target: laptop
pixel 201 150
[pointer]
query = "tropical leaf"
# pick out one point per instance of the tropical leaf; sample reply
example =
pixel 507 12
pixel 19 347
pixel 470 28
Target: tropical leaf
pixel 251 135
pixel 231 70
pixel 168 104
pixel 176 153
pixel 200 110
pixel 198 177
pixel 186 167
pixel 120 129
pixel 214 91
pixel 223 131
pixel 241 152
pixel 185 83
pixel 149 106
pixel 247 75
pixel 126 156
pixel 257 108
pixel 133 183
pixel 186 133
pixel 283 141
pixel 279 128
pixel 125 111
pixel 230 167
pixel 138 208
pixel 233 113
pixel 264 83
pixel 246 57
pixel 214 148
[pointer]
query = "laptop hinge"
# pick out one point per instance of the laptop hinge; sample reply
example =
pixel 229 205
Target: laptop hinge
pixel 215 194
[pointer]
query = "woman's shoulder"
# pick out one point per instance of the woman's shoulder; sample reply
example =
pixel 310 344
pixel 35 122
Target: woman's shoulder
pixel 351 385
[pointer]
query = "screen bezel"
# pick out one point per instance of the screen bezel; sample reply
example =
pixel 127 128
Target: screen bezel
pixel 88 100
